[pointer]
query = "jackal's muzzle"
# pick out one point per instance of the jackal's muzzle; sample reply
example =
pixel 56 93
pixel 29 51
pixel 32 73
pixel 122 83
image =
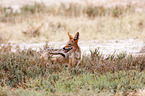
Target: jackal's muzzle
pixel 67 49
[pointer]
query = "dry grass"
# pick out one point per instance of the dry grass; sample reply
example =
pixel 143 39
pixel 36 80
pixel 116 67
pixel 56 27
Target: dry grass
pixel 93 22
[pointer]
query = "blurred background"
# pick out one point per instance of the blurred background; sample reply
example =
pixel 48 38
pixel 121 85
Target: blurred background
pixel 116 23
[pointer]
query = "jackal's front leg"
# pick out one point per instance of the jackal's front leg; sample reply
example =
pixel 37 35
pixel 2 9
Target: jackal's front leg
pixel 70 63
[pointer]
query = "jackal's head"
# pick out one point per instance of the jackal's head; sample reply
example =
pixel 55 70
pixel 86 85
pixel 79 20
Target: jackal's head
pixel 72 44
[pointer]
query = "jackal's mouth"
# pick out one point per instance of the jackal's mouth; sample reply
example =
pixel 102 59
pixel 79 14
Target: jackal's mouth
pixel 67 49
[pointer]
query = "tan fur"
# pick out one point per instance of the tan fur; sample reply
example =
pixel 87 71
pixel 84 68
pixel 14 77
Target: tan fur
pixel 70 53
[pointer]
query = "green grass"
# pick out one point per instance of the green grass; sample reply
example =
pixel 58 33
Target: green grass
pixel 121 83
pixel 25 73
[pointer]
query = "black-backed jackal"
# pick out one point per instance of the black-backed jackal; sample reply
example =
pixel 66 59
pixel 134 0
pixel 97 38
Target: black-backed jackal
pixel 70 53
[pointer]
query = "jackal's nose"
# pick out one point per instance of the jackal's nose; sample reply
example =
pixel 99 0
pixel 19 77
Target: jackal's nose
pixel 63 48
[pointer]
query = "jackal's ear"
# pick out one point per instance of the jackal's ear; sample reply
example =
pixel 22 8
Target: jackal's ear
pixel 76 37
pixel 70 36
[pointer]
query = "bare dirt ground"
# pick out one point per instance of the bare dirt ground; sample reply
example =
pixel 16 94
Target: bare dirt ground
pixel 106 48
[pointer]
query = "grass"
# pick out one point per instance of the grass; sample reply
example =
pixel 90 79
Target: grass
pixel 102 23
pixel 25 73
pixel 119 83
